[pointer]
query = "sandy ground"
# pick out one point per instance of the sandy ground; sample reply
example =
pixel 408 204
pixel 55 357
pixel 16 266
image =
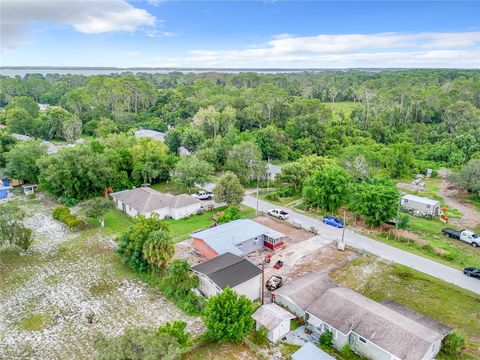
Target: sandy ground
pixel 63 278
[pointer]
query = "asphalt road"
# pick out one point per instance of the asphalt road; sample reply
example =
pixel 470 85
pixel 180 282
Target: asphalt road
pixel 386 252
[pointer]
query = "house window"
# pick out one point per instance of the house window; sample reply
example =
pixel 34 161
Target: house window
pixel 428 206
pixel 405 200
pixel 362 340
pixel 124 207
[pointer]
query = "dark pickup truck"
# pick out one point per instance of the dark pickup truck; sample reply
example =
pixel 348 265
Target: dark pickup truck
pixel 452 233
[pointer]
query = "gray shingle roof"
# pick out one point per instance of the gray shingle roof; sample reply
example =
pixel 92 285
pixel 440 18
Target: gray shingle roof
pixel 421 199
pixel 152 134
pixel 145 199
pixel 223 238
pixel 228 270
pixel 306 289
pixel 402 336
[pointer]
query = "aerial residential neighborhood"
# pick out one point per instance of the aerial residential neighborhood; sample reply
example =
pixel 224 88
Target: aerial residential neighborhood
pixel 239 180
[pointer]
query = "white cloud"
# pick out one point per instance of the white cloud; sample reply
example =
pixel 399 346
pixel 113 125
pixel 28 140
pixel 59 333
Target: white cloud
pixel 460 49
pixel 86 16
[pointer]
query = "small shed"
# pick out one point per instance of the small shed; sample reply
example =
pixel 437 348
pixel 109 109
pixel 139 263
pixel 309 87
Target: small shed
pixel 421 206
pixel 311 352
pixel 183 151
pixel 275 319
pixel 29 189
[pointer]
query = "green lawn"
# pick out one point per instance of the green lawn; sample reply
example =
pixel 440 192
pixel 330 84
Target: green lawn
pixel 115 220
pixel 172 188
pixel 451 305
pixel 181 228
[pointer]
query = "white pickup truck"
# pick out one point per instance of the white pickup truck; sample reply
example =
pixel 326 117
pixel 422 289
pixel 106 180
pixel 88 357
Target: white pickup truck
pixel 464 235
pixel 203 195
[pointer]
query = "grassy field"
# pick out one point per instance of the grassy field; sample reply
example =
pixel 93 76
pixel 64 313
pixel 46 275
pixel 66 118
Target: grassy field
pixel 117 222
pixel 439 300
pixel 433 244
pixel 180 229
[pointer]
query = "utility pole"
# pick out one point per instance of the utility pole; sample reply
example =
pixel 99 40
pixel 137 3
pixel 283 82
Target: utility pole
pixel 256 212
pixel 398 216
pixel 268 175
pixel 263 280
pixel 341 246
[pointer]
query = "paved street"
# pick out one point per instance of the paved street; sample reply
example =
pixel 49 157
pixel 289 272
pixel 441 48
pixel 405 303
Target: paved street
pixel 386 252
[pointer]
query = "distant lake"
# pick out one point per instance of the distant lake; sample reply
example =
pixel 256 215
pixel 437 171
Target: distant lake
pixel 22 71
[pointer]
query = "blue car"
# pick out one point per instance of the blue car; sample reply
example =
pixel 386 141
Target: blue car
pixel 333 221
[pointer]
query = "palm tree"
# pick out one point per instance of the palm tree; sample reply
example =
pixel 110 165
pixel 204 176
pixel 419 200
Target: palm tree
pixel 159 248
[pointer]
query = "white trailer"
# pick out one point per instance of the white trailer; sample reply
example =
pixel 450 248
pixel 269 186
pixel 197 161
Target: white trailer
pixel 420 206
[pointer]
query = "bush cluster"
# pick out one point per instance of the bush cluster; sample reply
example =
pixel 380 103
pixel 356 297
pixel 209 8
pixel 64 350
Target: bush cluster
pixel 63 214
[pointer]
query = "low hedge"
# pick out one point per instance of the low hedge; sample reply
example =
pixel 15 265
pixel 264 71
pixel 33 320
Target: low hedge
pixel 63 214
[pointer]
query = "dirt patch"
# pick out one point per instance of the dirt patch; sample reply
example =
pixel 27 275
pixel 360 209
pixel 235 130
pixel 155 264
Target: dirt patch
pixel 185 251
pixel 405 234
pixel 294 235
pixel 410 187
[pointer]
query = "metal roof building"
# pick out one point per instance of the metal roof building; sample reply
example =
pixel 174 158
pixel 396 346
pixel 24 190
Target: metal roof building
pixel 311 352
pixel 152 134
pixel 238 237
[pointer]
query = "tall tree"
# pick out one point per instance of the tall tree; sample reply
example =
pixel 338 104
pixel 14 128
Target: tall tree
pixel 159 248
pixel 97 208
pixel 229 189
pixel 21 161
pixel 327 189
pixel 190 171
pixel 245 160
pixel 228 316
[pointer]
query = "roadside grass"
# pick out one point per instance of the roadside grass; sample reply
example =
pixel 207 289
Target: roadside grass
pixel 446 303
pixel 180 229
pixel 221 351
pixel 433 244
pixel 172 188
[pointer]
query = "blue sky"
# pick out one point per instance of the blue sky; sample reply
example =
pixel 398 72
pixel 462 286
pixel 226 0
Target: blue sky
pixel 288 34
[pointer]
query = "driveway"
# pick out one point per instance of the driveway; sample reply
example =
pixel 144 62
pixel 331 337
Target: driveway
pixel 364 244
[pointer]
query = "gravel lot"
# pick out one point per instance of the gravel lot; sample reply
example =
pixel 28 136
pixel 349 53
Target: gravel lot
pixel 47 294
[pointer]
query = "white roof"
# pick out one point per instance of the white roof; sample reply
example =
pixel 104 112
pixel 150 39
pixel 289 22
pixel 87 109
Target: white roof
pixel 223 238
pixel 420 199
pixel 21 137
pixel 156 135
pixel 271 315
pixel 311 352
pixel 274 169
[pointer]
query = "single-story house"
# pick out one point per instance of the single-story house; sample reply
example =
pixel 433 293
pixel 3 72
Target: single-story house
pixel 239 237
pixel 275 319
pixel 311 352
pixel 297 295
pixel 230 270
pixel 152 134
pixel 29 188
pixel 147 201
pixel 43 107
pixel 183 151
pixel 272 172
pixel 378 331
pixel 420 205
pixel 21 137
pixel 51 148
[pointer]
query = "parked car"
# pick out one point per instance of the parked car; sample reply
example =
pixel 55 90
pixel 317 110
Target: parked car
pixel 333 221
pixel 464 235
pixel 203 195
pixel 274 282
pixel 472 272
pixel 278 264
pixel 278 213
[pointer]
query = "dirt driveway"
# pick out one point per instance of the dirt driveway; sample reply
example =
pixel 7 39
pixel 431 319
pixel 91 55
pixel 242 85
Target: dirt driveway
pixel 451 195
pixel 47 295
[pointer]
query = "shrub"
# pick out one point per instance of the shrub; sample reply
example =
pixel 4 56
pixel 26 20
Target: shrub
pixel 63 214
pixel 231 213
pixel 403 221
pixel 326 338
pixel 260 336
pixel 347 351
pixel 67 201
pixel 177 331
pixel 453 344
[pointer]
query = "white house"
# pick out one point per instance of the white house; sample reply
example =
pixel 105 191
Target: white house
pixel 230 270
pixel 420 205
pixel 147 201
pixel 152 134
pixel 183 151
pixel 275 319
pixel 43 107
pixel 21 137
pixel 378 331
